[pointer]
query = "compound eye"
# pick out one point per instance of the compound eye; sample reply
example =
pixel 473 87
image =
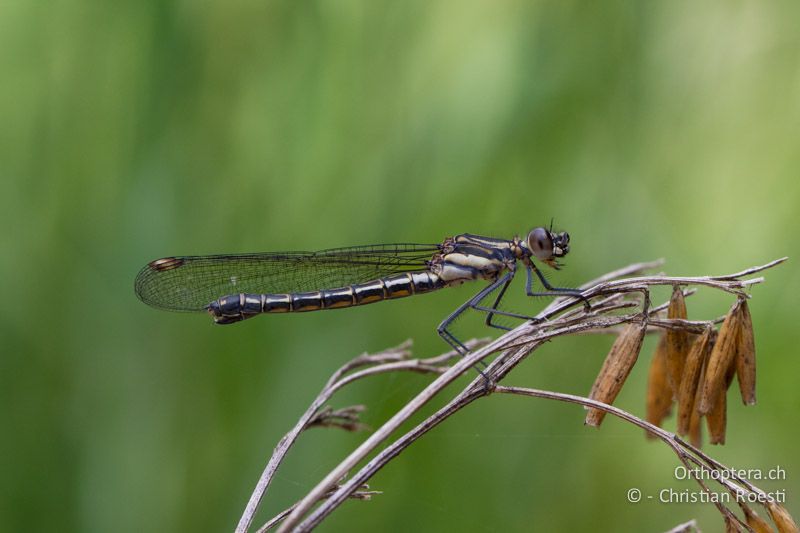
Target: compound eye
pixel 540 243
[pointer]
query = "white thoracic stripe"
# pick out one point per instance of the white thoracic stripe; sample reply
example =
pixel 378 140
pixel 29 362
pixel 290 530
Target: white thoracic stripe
pixel 474 261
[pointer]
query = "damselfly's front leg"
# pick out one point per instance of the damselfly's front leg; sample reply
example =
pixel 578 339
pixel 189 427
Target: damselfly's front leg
pixel 552 291
pixel 493 310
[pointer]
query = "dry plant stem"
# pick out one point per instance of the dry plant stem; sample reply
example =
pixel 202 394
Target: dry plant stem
pixel 686 527
pixel 686 452
pixel 390 360
pixel 656 322
pixel 275 520
pixel 517 344
pixel 382 433
pixel 713 464
pixel 475 390
pixel 286 442
pixel 346 418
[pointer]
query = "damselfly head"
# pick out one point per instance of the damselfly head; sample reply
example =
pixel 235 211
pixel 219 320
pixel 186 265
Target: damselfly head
pixel 547 246
pixel 560 244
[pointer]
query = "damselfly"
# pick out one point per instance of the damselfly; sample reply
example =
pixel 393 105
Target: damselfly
pixel 232 288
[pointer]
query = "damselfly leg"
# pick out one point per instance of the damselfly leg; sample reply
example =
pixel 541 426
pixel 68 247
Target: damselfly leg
pixel 502 284
pixel 552 291
pixel 451 339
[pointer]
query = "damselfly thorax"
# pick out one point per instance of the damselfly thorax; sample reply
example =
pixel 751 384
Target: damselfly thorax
pixel 232 288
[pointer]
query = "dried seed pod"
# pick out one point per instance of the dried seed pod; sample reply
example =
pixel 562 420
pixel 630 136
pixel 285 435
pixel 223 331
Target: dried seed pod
pixel 756 523
pixel 698 352
pixel 677 341
pixel 695 432
pixel 695 421
pixel 659 395
pixel 720 360
pixel 746 356
pixel 783 520
pixel 730 525
pixel 717 419
pixel 615 369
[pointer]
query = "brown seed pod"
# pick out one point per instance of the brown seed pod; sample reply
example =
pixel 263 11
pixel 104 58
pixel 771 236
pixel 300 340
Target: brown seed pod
pixel 746 356
pixel 730 525
pixel 756 523
pixel 695 421
pixel 677 341
pixel 696 429
pixel 717 419
pixel 698 352
pixel 659 394
pixel 720 361
pixel 783 520
pixel 615 369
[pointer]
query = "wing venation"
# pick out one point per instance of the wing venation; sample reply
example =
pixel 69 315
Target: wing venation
pixel 190 283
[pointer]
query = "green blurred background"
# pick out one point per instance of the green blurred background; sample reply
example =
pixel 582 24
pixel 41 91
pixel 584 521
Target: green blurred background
pixel 135 130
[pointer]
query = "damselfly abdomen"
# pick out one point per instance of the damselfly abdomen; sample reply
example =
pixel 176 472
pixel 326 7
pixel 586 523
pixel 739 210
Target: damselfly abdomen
pixel 232 288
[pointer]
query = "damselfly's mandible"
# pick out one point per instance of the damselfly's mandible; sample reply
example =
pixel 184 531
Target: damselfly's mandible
pixel 235 287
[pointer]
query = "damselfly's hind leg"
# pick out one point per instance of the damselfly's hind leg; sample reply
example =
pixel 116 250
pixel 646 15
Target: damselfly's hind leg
pixel 474 303
pixel 452 340
pixel 490 312
pixel 442 328
pixel 448 337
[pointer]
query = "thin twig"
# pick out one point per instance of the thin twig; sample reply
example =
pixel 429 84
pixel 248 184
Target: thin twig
pixel 382 433
pixel 275 520
pixel 390 360
pixel 686 527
